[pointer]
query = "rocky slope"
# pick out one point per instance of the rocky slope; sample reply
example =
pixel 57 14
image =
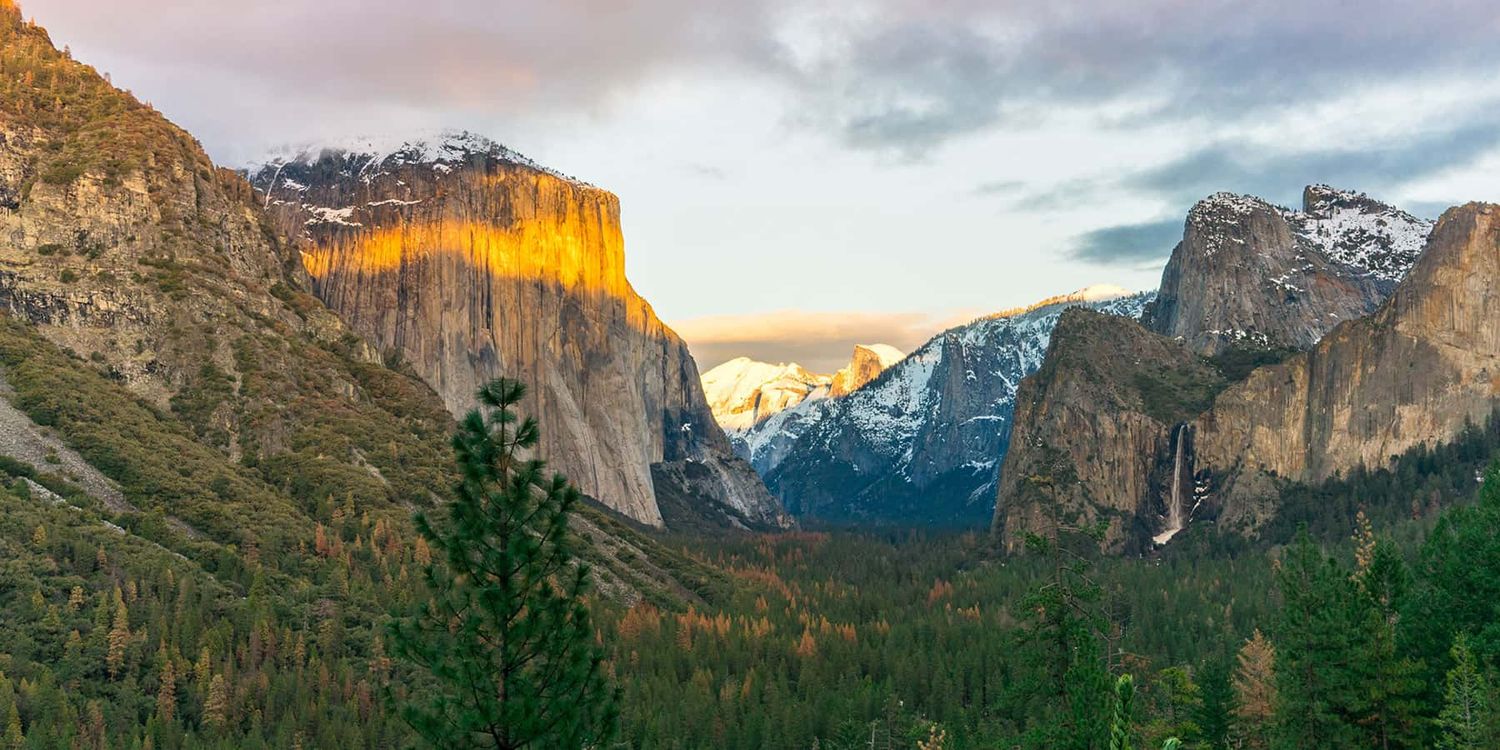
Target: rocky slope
pixel 466 261
pixel 1094 438
pixel 158 349
pixel 922 441
pixel 1250 274
pixel 1416 371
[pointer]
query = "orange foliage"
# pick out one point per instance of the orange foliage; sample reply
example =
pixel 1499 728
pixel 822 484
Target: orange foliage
pixel 642 618
pixel 941 589
pixel 807 647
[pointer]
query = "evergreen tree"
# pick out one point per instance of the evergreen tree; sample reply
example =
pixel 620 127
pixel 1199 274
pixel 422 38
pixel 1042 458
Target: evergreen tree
pixel 1064 698
pixel 505 637
pixel 1466 722
pixel 1391 714
pixel 1318 677
pixel 1121 723
pixel 1217 707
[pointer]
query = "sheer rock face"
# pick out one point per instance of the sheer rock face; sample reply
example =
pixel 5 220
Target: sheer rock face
pixel 1093 429
pixel 467 262
pixel 1415 372
pixel 865 365
pixel 1094 439
pixel 1250 273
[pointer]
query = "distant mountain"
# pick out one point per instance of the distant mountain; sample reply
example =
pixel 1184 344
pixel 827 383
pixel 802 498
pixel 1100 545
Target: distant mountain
pixel 743 392
pixel 921 442
pixel 466 261
pixel 1251 274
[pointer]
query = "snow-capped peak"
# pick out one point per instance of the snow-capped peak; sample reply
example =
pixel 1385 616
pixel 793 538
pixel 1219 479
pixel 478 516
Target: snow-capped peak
pixel 440 148
pixel 743 391
pixel 1358 231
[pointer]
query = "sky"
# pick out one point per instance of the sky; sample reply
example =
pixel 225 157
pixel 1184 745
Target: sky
pixel 797 176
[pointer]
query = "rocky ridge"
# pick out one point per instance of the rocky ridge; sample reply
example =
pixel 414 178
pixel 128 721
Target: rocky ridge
pixel 922 441
pixel 1415 371
pixel 1248 274
pixel 744 393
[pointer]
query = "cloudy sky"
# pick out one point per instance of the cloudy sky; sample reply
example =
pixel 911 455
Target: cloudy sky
pixel 798 175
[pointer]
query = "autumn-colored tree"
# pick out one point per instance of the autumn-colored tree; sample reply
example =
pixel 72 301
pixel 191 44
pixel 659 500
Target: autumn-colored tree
pixel 119 637
pixel 1255 692
pixel 166 691
pixel 216 705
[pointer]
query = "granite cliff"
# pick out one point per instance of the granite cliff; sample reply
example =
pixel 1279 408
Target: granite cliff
pixel 1417 371
pixel 1221 439
pixel 465 261
pixel 1252 275
pixel 1093 429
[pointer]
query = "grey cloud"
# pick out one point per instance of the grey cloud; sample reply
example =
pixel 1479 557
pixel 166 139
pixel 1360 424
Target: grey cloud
pixel 1129 244
pixel 916 78
pixel 1245 168
pixel 1278 177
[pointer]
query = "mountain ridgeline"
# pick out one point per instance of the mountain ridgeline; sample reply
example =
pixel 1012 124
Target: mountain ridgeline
pixel 1323 345
pixel 921 442
pixel 465 261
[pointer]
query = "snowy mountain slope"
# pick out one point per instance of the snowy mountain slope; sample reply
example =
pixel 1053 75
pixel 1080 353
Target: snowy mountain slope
pixel 743 392
pixel 1251 274
pixel 923 441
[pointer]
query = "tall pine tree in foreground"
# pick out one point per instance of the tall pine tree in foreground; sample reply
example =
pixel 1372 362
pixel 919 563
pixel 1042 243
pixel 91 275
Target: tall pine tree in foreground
pixel 505 637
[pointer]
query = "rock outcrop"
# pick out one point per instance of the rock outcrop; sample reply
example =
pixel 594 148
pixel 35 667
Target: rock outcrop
pixel 1417 371
pixel 1250 274
pixel 864 366
pixel 922 442
pixel 1096 435
pixel 466 261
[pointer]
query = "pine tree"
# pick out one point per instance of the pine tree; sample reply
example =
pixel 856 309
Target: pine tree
pixel 1121 723
pixel 1064 698
pixel 1321 682
pixel 119 637
pixel 1466 722
pixel 216 705
pixel 1255 692
pixel 166 692
pixel 505 638
pixel 1390 714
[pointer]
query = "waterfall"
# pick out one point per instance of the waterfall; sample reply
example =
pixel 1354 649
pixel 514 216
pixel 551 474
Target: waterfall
pixel 1176 503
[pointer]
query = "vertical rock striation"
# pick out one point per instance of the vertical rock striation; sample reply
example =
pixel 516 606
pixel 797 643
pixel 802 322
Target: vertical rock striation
pixel 1096 428
pixel 467 262
pixel 1417 371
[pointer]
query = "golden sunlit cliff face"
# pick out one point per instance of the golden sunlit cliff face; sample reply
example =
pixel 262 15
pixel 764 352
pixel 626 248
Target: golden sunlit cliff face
pixel 470 267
